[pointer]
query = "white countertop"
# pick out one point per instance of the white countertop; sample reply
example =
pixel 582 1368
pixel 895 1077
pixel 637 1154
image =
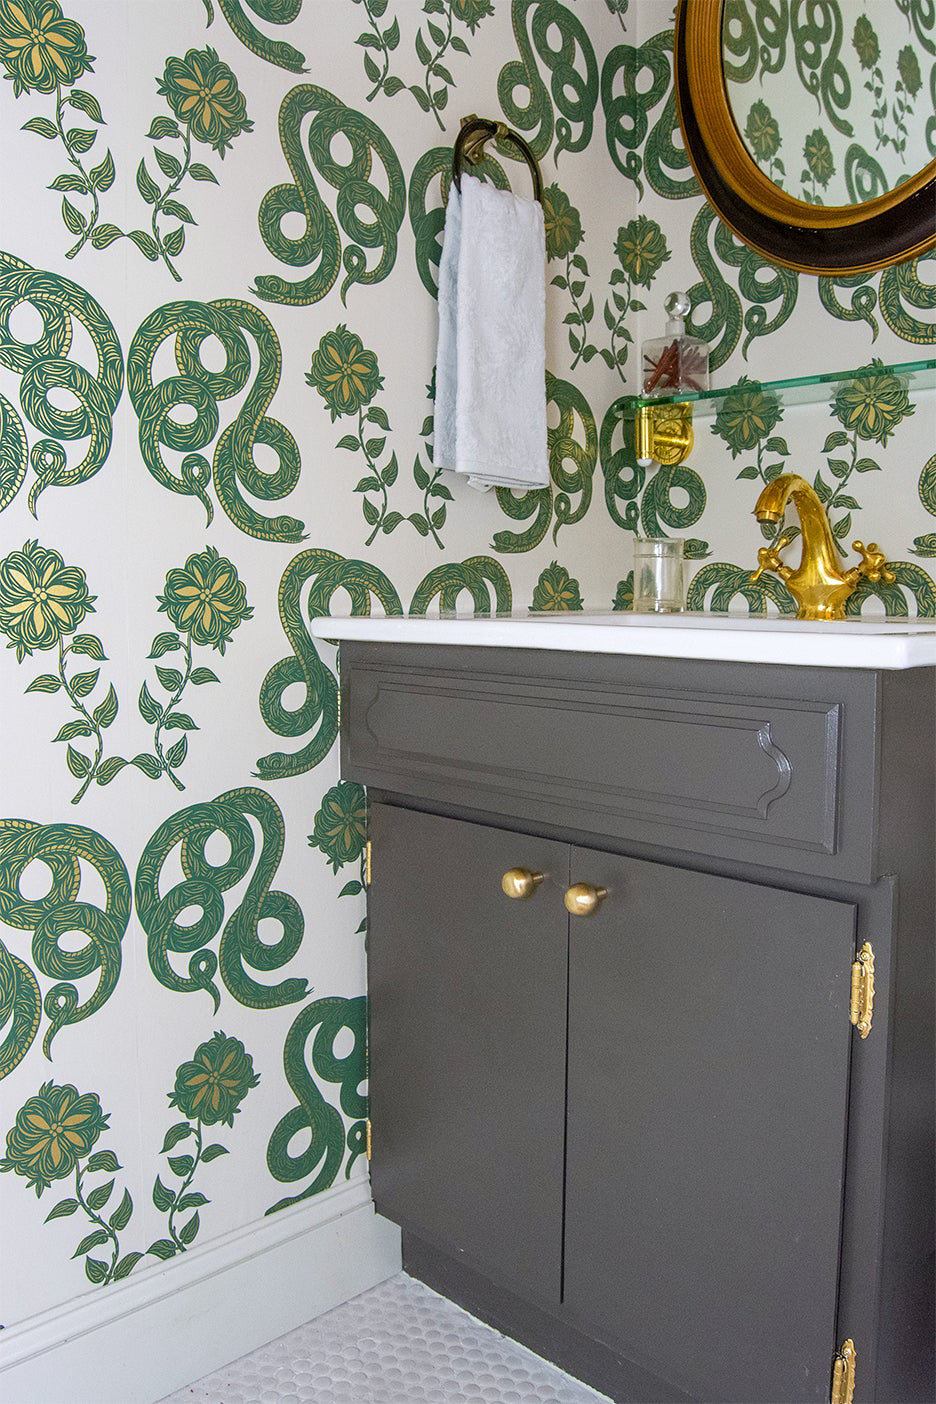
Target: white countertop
pixel 852 643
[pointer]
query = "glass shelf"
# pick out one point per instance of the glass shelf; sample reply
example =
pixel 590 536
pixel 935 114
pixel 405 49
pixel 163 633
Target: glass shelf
pixel 800 390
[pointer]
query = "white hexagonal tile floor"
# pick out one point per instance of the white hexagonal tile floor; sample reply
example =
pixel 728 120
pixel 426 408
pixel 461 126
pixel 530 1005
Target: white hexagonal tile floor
pixel 400 1343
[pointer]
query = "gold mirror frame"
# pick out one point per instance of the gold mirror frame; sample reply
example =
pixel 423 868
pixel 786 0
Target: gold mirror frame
pixel 831 239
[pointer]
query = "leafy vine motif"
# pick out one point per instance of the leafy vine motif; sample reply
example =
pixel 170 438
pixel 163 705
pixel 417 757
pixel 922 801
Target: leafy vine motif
pixel 234 465
pixel 43 52
pixel 563 447
pixel 563 236
pixel 324 1123
pixel 432 92
pixel 54 1135
pixel 573 71
pixel 328 573
pixel 208 107
pixel 644 73
pixel 61 849
pixel 42 603
pixel 276 51
pixel 340 831
pixel 209 1090
pixel 641 251
pixel 44 366
pixel 55 1132
pixel 206 601
pixel 203 886
pixel 745 420
pixel 347 377
pixel 480 577
pixel 431 519
pixel 869 407
pixel 320 240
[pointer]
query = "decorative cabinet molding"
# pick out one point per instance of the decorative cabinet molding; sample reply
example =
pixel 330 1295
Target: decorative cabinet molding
pixel 639 1131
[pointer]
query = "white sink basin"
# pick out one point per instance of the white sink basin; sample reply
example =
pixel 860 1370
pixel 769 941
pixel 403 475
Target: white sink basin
pixel 873 642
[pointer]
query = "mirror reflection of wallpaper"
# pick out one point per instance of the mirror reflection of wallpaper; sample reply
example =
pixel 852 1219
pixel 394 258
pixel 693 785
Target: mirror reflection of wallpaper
pixel 836 100
pixel 220 242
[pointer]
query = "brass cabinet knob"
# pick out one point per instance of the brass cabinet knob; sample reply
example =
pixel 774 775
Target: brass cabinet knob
pixel 520 882
pixel 582 899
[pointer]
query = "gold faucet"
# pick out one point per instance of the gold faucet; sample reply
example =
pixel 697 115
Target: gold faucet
pixel 820 586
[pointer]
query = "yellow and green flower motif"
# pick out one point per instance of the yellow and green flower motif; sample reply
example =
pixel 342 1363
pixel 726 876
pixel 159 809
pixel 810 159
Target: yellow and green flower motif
pixel 641 249
pixel 762 131
pixel 908 66
pixel 206 599
pixel 818 155
pixel 556 590
pixel 865 42
pixel 345 375
pixel 340 826
pixel 212 1086
pixel 873 403
pixel 203 93
pixel 472 12
pixel 39 48
pixel 746 416
pixel 53 1131
pixel 41 598
pixel 563 224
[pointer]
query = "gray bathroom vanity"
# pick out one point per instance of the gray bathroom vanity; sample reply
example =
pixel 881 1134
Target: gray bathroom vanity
pixel 650 961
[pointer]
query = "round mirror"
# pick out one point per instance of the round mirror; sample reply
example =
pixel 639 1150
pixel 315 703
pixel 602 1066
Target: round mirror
pixel 811 126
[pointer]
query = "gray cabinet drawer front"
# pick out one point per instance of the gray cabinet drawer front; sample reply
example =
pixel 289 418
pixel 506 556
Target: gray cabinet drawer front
pixel 660 754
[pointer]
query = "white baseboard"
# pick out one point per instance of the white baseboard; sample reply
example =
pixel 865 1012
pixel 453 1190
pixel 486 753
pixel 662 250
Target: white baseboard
pixel 138 1341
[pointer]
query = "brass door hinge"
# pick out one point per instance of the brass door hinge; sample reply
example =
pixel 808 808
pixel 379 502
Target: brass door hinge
pixel 862 990
pixel 368 868
pixel 843 1374
pixel 368 1139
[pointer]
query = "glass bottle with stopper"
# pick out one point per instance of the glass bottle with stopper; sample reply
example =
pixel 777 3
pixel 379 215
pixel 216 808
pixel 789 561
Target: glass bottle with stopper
pixel 675 362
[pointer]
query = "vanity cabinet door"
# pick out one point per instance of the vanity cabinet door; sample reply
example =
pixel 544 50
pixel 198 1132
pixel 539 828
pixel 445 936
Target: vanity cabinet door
pixel 709 1045
pixel 467 1042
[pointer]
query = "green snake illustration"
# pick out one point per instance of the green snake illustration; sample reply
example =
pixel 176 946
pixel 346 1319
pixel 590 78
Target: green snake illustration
pixel 478 575
pixel 321 239
pixel 203 886
pixel 427 224
pixel 725 320
pixel 627 117
pixel 759 283
pixel 44 366
pixel 563 447
pixel 61 849
pixel 274 12
pixel 329 572
pixel 574 93
pixel 910 578
pixel 863 299
pixel 901 289
pixel 191 324
pixel 327 1141
pixel 901 284
pixel 624 478
pixel 727 582
pixel 926 545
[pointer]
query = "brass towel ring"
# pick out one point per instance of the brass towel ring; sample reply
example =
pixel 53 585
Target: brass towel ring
pixel 469 145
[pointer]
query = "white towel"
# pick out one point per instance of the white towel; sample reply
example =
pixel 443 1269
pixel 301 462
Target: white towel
pixel 490 406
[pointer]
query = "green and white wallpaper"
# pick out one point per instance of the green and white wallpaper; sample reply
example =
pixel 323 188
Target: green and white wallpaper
pixel 219 245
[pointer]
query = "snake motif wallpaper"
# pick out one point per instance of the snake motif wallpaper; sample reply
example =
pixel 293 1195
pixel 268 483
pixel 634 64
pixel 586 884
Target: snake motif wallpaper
pixel 219 252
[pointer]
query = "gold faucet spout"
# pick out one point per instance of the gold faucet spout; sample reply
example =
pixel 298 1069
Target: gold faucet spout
pixel 820 586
